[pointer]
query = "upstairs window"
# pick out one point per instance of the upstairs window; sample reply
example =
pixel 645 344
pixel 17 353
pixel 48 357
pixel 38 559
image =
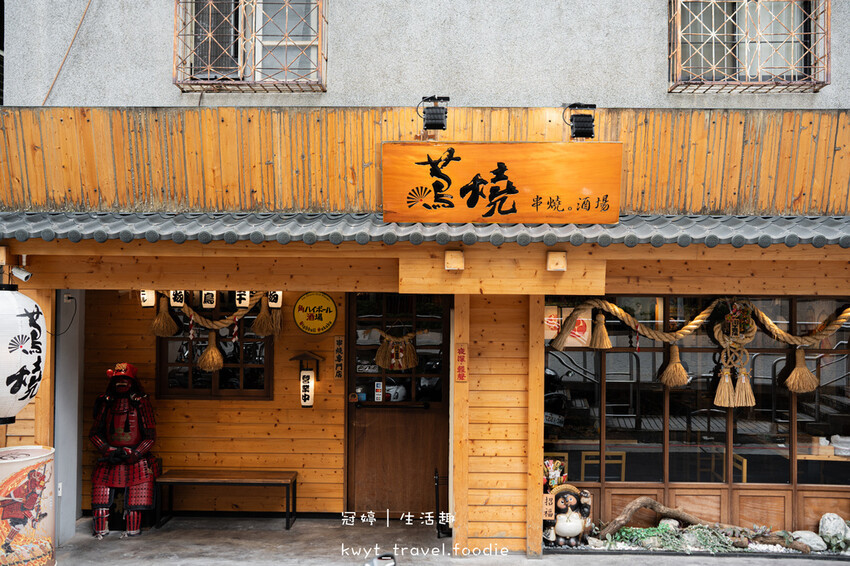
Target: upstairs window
pixel 749 45
pixel 250 45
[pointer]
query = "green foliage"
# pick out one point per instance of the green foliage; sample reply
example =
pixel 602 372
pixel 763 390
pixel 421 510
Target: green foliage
pixel 835 543
pixel 711 539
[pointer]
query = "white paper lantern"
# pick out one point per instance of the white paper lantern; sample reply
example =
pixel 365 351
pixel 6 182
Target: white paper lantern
pixel 307 381
pixel 21 351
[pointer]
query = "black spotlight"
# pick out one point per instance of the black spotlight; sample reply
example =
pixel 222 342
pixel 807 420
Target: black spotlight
pixel 434 117
pixel 581 125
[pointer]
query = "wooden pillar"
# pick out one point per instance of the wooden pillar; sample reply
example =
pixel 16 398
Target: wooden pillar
pixel 536 366
pixel 460 427
pixel 46 299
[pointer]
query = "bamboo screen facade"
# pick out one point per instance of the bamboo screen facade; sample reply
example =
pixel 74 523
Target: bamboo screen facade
pixel 250 45
pixel 747 46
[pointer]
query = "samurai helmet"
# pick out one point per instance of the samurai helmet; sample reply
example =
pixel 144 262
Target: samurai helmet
pixel 123 372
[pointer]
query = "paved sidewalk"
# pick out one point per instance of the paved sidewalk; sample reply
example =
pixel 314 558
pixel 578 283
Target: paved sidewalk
pixel 226 541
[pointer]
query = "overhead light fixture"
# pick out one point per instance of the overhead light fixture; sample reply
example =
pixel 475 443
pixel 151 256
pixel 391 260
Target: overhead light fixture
pixel 434 117
pixel 581 125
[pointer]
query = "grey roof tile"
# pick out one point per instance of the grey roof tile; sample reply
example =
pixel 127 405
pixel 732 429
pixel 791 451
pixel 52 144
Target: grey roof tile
pixel 632 230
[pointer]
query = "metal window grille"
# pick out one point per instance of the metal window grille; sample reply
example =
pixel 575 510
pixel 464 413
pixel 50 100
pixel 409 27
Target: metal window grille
pixel 749 45
pixel 250 45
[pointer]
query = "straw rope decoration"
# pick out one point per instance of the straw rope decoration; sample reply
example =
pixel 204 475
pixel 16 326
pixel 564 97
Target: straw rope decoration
pixel 397 353
pixel 800 380
pixel 211 359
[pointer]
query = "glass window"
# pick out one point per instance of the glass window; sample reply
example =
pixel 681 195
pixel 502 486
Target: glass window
pixel 422 317
pixel 634 417
pixel 761 440
pixel 571 414
pixel 697 426
pixel 247 371
pixel 822 417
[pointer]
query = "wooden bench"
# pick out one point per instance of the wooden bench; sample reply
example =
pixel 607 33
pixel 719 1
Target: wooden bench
pixel 172 477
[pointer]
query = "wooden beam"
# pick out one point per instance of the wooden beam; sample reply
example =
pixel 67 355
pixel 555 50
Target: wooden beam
pixel 536 367
pixel 768 277
pixel 614 252
pixel 287 274
pixel 460 432
pixel 486 272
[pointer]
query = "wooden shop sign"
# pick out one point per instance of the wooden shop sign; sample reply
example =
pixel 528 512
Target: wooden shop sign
pixel 314 312
pixel 556 183
pixel 461 360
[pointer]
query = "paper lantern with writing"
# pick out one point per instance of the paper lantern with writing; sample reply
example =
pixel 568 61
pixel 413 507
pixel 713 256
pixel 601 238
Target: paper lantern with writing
pixel 307 383
pixel 21 351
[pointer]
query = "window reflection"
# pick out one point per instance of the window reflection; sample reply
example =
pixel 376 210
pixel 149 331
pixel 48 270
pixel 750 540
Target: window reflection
pixel 697 426
pixel 571 410
pixel 822 416
pixel 761 438
pixel 634 417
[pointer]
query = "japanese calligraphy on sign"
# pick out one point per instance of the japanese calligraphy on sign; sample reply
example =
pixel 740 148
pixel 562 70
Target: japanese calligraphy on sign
pixel 339 352
pixel 307 381
pixel 461 361
pixel 557 183
pixel 314 312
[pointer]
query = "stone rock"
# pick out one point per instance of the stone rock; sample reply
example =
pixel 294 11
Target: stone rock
pixel 594 542
pixel 672 523
pixel 651 542
pixel 833 527
pixel 810 538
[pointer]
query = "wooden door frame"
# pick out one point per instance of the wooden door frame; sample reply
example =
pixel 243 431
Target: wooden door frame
pixel 349 491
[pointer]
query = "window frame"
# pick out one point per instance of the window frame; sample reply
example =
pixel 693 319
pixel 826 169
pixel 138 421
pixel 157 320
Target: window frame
pixel 729 461
pixel 249 75
pixel 735 70
pixel 163 391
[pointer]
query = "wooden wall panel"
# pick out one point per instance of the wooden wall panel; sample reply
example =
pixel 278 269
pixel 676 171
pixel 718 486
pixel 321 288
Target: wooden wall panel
pixel 616 498
pixel 275 434
pixel 811 505
pixel 498 478
pixel 675 160
pixel 711 505
pixel 770 507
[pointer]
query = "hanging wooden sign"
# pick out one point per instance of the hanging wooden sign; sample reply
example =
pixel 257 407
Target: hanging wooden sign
pixel 557 183
pixel 339 356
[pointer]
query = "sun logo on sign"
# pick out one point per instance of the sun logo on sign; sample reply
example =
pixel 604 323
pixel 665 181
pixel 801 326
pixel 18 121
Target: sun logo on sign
pixel 19 342
pixel 418 196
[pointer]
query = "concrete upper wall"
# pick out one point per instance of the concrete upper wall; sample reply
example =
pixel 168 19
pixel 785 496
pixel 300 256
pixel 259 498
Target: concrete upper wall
pixel 391 53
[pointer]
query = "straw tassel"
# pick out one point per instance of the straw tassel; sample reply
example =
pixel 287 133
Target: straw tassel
pixel 263 324
pixel 211 359
pixel 743 390
pixel 725 396
pixel 163 325
pixel 801 380
pixel 599 337
pixel 559 342
pixel 674 375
